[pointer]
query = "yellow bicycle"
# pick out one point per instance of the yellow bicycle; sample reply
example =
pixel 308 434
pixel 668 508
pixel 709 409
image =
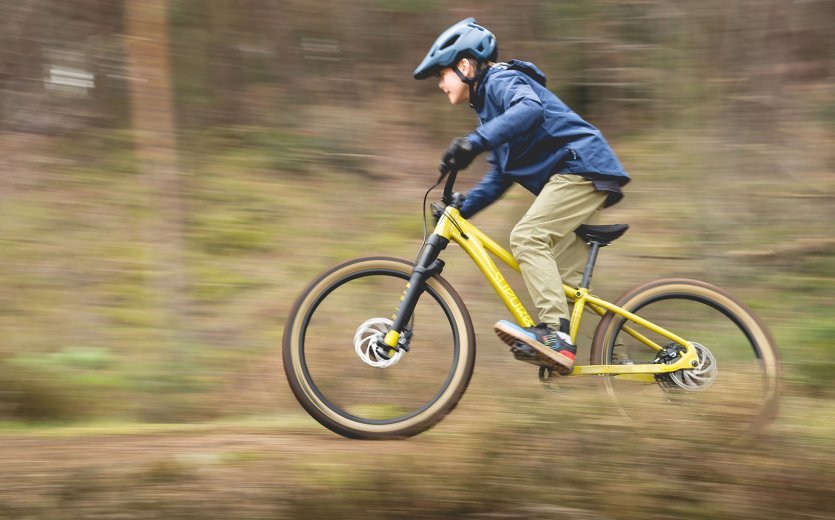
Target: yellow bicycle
pixel 365 373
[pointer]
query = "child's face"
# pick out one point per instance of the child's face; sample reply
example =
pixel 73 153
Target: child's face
pixel 456 90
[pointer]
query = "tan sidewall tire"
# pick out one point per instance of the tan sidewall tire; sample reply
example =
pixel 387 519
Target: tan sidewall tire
pixel 766 347
pixel 319 410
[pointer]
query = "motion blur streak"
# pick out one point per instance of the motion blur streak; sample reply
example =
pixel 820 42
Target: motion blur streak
pixel 174 172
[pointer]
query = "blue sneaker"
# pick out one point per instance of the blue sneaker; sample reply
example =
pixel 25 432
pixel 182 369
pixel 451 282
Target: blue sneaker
pixel 540 345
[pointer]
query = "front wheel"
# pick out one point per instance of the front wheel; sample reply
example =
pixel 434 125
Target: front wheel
pixel 348 384
pixel 734 388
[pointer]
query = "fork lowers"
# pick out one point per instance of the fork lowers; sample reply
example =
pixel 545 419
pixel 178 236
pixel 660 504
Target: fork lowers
pixel 427 266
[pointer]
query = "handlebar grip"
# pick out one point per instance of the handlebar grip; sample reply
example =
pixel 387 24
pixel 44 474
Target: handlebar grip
pixel 450 183
pixel 444 169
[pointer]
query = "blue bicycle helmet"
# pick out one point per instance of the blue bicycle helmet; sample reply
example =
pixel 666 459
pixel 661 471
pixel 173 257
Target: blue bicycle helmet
pixel 466 39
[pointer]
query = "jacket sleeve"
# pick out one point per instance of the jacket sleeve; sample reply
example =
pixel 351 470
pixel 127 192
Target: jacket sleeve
pixel 488 190
pixel 522 112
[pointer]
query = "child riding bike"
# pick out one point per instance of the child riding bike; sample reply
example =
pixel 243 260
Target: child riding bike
pixel 537 141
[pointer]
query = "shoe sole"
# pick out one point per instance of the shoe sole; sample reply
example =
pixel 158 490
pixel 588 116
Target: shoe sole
pixel 544 356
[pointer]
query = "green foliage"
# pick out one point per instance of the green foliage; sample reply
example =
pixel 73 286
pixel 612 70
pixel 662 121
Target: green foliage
pixel 60 386
pixel 253 148
pixel 166 471
pixel 85 151
pixel 230 234
pixel 68 359
pixel 409 6
pixel 217 283
pixel 828 114
pixel 37 396
pixel 813 359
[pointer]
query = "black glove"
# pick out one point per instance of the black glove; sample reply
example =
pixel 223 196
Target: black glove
pixel 459 155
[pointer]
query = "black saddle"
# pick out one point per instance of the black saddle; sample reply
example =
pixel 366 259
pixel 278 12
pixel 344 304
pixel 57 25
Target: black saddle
pixel 604 235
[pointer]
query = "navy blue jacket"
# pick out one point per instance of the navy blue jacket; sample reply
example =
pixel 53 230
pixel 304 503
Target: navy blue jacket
pixel 533 135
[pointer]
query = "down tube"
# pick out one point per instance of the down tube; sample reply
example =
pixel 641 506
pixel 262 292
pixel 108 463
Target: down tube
pixel 475 249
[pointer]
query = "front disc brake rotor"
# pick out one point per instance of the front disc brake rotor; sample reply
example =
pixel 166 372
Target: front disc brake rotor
pixel 369 346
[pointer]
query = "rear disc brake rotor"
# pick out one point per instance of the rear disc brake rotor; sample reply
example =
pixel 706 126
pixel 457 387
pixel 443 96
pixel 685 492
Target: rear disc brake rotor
pixel 697 379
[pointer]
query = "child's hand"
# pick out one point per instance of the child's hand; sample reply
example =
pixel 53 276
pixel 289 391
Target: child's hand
pixel 459 155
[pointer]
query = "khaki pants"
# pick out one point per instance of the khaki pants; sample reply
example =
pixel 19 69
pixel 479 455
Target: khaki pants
pixel 546 248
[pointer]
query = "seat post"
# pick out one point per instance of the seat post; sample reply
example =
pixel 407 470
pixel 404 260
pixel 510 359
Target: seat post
pixel 595 248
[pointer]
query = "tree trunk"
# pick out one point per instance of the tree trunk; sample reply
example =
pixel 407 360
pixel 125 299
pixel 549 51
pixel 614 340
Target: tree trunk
pixel 153 117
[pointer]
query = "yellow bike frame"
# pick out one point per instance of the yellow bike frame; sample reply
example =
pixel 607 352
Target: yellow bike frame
pixel 452 226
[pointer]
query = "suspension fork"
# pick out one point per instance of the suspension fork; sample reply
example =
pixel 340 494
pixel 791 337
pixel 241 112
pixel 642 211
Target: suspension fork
pixel 428 265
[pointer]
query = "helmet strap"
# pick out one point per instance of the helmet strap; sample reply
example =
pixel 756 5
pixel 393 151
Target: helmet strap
pixel 472 83
pixel 462 77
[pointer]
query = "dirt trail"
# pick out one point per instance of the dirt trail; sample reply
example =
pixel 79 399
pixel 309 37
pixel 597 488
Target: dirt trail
pixel 32 456
pixel 225 472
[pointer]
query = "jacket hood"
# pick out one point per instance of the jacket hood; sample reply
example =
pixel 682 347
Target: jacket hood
pixel 529 69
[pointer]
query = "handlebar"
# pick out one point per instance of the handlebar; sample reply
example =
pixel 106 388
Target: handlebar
pixel 450 174
pixel 447 199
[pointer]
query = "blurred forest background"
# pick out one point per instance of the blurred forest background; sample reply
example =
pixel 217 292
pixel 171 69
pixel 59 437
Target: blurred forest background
pixel 173 173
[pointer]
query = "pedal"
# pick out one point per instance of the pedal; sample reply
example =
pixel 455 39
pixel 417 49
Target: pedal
pixel 549 379
pixel 523 351
pixel 529 354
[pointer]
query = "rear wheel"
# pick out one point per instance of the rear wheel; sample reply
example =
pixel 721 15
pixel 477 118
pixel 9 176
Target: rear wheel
pixel 340 374
pixel 734 388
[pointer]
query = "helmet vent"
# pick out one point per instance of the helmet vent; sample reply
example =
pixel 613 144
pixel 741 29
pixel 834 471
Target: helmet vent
pixel 449 42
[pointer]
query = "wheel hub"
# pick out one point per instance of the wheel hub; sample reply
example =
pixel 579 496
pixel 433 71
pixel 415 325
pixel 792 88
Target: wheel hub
pixel 369 346
pixel 699 378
